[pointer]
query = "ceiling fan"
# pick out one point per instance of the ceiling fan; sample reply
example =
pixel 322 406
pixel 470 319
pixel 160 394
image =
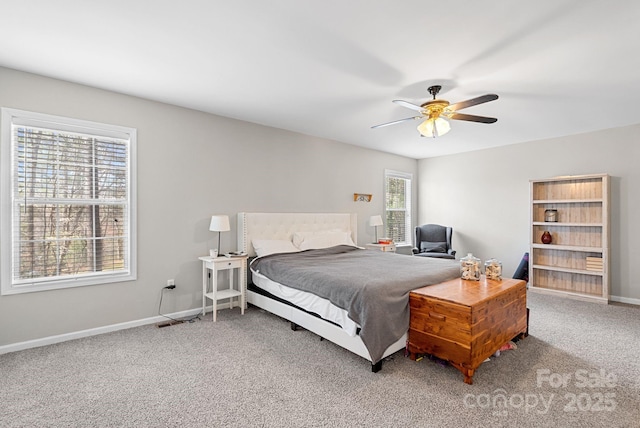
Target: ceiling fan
pixel 435 112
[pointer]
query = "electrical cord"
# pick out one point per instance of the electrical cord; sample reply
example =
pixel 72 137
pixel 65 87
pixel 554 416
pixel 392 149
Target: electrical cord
pixel 171 287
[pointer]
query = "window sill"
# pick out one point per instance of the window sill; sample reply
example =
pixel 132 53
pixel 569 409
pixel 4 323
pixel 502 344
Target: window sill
pixel 67 283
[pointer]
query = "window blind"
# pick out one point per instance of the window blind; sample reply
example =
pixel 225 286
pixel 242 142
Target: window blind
pixel 398 206
pixel 70 204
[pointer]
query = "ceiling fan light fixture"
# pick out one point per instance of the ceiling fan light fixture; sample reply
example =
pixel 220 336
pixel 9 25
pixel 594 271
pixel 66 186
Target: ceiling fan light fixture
pixel 434 127
pixel 434 113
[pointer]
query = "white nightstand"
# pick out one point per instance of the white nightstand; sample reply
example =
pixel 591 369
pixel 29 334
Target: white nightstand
pixel 387 248
pixel 214 265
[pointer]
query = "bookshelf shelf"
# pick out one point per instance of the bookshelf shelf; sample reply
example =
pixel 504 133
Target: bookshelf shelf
pixel 576 262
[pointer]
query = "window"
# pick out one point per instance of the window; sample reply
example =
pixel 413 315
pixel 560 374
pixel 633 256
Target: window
pixel 68 202
pixel 398 206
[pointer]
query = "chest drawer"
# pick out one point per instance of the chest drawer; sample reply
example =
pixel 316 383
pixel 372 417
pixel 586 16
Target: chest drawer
pixel 444 319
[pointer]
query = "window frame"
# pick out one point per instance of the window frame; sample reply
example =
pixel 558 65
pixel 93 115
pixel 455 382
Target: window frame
pixel 11 117
pixel 388 173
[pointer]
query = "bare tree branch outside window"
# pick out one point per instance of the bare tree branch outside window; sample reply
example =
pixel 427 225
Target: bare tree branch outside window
pixel 72 193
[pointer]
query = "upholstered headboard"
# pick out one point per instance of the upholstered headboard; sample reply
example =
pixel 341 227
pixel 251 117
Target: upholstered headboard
pixel 283 225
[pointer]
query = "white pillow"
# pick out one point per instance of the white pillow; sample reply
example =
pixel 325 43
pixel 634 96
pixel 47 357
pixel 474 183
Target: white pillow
pixel 322 239
pixel 298 237
pixel 264 247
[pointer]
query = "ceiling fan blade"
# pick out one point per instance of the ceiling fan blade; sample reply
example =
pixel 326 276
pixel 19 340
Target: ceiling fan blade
pixel 395 121
pixel 472 102
pixel 407 104
pixel 471 118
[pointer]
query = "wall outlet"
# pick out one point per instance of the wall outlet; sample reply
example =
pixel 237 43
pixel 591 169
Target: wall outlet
pixel 170 282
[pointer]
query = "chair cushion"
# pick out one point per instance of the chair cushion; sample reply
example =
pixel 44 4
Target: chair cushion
pixel 433 247
pixel 436 255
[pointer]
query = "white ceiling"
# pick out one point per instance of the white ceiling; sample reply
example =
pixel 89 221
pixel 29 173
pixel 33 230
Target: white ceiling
pixel 331 68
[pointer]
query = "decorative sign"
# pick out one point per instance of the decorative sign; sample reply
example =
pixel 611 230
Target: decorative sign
pixel 362 197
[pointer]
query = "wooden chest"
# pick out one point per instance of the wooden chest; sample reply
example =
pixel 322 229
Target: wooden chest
pixel 464 322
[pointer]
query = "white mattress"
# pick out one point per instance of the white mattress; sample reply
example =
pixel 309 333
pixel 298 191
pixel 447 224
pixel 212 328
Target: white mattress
pixel 307 301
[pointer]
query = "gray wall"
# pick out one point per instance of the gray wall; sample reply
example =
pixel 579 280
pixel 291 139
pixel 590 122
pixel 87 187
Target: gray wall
pixel 484 195
pixel 190 165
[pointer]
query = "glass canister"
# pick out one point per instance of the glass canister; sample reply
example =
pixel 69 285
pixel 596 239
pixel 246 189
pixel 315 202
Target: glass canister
pixel 493 269
pixel 551 215
pixel 470 268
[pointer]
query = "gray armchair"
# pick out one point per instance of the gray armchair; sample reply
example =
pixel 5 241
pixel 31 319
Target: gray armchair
pixel 433 240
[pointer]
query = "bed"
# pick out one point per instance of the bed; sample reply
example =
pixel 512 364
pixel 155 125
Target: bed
pixel 299 293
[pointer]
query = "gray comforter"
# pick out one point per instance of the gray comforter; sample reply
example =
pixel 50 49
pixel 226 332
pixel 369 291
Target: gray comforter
pixel 373 287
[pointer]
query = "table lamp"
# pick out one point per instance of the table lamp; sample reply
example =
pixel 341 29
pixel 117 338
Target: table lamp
pixel 219 223
pixel 375 221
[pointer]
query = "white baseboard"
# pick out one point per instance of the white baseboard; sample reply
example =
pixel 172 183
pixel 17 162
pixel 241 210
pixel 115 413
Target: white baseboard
pixel 628 300
pixel 95 331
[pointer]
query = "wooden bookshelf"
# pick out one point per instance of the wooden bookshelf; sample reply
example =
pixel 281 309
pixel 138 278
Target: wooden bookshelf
pixel 576 262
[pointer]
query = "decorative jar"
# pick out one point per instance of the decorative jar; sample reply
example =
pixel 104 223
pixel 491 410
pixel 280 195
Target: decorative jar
pixel 493 269
pixel 550 215
pixel 470 268
pixel 546 237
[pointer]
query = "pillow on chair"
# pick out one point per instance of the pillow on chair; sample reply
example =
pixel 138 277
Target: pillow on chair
pixel 433 247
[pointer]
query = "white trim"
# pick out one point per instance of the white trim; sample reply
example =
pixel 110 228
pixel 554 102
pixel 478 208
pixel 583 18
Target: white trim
pixel 50 340
pixel 629 300
pixel 67 124
pixel 94 331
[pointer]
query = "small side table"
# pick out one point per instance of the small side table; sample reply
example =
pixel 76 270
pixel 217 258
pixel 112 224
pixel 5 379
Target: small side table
pixel 387 248
pixel 214 265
